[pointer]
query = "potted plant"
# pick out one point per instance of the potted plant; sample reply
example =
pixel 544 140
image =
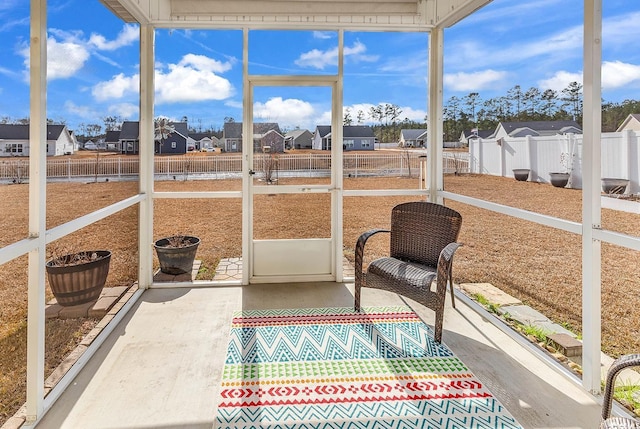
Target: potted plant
pixel 560 179
pixel 176 253
pixel 614 186
pixel 77 278
pixel 521 174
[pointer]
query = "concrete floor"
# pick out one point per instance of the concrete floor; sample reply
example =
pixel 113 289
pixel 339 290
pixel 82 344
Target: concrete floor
pixel 161 367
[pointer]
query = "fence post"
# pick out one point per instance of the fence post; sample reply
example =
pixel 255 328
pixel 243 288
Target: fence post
pixel 69 169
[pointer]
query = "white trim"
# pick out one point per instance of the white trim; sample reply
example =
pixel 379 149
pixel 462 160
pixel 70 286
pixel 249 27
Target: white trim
pixel 37 210
pixel 591 204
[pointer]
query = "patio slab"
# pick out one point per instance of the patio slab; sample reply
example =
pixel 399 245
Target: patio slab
pixel 161 366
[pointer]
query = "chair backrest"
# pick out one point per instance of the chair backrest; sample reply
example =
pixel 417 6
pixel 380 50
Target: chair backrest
pixel 420 230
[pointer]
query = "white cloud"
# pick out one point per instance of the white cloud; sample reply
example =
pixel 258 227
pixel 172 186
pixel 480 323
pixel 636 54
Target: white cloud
pixel 64 59
pixel 323 34
pixel 193 79
pixel 68 52
pixel 81 111
pixel 616 74
pixel 124 110
pixel 319 59
pixel 474 81
pixel 118 87
pixel 288 113
pixel 560 80
pixel 201 62
pixel 127 36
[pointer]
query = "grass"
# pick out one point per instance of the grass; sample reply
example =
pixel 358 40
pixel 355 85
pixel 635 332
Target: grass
pixel 536 264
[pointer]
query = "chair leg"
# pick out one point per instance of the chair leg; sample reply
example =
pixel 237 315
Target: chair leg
pixel 437 326
pixel 453 300
pixel 356 300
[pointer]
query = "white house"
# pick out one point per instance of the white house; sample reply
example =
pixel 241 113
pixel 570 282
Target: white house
pixel 535 128
pixel 631 123
pixel 14 140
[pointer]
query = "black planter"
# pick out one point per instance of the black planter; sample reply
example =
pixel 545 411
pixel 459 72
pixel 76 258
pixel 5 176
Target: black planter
pixel 78 283
pixel 176 260
pixel 559 180
pixel 521 174
pixel 614 186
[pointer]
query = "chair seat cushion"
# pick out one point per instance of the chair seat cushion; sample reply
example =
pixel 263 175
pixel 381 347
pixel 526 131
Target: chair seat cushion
pixel 620 423
pixel 406 278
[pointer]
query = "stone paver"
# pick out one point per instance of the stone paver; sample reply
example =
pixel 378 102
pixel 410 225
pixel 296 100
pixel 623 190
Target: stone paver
pixel 231 269
pixel 99 308
pixel 490 292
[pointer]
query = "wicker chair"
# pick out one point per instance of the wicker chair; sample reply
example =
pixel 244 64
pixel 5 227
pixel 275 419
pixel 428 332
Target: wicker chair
pixel 422 243
pixel 609 422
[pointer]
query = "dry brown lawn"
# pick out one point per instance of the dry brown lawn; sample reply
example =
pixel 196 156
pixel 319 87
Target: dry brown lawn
pixel 539 265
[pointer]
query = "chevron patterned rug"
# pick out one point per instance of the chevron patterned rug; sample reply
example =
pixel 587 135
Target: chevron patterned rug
pixel 333 368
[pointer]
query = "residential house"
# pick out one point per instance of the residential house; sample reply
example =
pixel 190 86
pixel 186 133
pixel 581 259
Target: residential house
pixel 535 128
pixel 90 145
pixel 129 138
pixel 631 123
pixel 14 140
pixel 176 142
pixel 299 139
pixel 413 138
pixel 202 141
pixel 232 137
pixel 112 140
pixel 474 133
pixel 354 137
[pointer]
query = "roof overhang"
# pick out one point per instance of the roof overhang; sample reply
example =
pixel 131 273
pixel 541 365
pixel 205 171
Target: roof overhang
pixel 397 15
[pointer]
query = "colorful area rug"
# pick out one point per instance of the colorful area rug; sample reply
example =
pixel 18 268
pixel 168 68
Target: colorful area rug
pixel 333 368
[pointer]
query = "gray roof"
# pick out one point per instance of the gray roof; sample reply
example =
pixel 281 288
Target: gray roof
pixel 348 131
pixel 112 136
pixel 200 136
pixel 296 133
pixel 233 130
pixel 483 134
pixel 413 134
pixel 540 127
pixel 21 132
pixel 130 130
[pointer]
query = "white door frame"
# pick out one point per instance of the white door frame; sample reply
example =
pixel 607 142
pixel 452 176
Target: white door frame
pixel 294 260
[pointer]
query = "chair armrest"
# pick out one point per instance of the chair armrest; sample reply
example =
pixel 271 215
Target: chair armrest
pixel 617 366
pixel 445 267
pixel 359 257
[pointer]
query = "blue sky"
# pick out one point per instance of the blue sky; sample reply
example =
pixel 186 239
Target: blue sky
pixel 93 63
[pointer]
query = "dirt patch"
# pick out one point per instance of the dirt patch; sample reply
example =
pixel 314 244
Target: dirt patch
pixel 539 265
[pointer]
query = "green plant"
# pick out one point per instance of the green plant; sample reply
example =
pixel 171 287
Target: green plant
pixel 540 334
pixel 625 393
pixel 481 299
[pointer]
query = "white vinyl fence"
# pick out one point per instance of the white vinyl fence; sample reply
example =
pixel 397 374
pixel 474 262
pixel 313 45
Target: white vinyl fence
pixel 560 153
pixel 399 163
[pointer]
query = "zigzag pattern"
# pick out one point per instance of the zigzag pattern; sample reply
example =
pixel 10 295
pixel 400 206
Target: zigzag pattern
pixel 319 311
pixel 446 366
pixel 333 368
pixel 332 342
pixel 466 413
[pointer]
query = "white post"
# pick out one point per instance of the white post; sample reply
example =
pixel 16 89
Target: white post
pixel 146 154
pixel 591 213
pixel 434 109
pixel 37 209
pixel 247 155
pixel 337 165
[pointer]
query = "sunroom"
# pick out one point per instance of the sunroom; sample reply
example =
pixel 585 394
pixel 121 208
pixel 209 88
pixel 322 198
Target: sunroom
pixel 287 270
